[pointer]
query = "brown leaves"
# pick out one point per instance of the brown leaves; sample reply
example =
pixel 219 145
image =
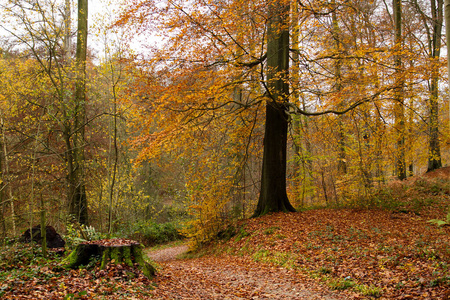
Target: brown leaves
pixel 112 242
pixel 378 254
pixel 229 277
pixel 52 282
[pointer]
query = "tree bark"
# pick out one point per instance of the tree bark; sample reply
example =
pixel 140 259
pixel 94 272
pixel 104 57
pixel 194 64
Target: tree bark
pixel 447 35
pixel 400 164
pixel 342 164
pixel 273 196
pixel 110 251
pixel 67 27
pixel 434 150
pixel 77 189
pixel 7 175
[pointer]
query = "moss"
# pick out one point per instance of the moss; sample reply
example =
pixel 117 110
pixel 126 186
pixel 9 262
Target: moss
pixel 116 254
pixel 120 254
pixel 71 259
pixel 145 267
pixel 127 256
pixel 105 258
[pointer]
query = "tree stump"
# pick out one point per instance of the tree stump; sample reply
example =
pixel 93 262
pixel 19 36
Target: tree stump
pixel 115 251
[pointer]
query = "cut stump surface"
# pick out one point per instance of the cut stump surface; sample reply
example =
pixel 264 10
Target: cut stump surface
pixel 117 251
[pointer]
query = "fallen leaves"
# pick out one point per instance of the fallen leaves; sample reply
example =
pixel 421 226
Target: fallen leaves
pixel 399 257
pixel 50 281
pixel 317 254
pixel 112 242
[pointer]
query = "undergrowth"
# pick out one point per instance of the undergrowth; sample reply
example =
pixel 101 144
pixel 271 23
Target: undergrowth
pixel 382 246
pixel 150 233
pixel 417 197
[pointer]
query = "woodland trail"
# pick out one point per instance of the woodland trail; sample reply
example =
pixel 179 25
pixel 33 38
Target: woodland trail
pixel 229 277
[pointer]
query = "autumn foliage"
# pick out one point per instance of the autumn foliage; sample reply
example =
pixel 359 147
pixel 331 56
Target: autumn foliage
pixel 175 112
pixel 202 90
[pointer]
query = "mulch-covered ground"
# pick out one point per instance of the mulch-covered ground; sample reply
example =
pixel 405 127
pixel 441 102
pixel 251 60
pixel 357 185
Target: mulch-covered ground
pixel 231 277
pixel 389 252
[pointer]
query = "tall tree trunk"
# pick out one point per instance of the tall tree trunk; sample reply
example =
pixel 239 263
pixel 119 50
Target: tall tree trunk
pixel 447 35
pixel 342 164
pixel 67 27
pixel 296 122
pixel 400 164
pixel 7 175
pixel 2 198
pixel 77 189
pixel 273 196
pixel 434 152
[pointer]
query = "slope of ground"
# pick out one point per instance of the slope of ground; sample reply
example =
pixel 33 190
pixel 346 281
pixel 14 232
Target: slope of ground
pixel 389 251
pixel 371 253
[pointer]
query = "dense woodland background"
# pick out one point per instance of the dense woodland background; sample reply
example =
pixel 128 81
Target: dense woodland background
pixel 171 127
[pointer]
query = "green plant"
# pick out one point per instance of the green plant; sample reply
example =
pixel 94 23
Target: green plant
pixel 227 233
pixel 439 281
pixel 341 284
pixel 18 254
pixel 270 230
pixel 324 270
pixel 74 236
pixel 241 234
pixel 261 255
pixel 151 233
pixel 441 222
pixel 368 290
pixel 279 237
pixel 78 295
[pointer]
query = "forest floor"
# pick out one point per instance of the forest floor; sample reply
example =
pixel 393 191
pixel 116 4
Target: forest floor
pixel 389 251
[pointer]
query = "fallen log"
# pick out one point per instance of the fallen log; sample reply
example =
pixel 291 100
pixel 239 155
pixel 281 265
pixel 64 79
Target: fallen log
pixel 116 251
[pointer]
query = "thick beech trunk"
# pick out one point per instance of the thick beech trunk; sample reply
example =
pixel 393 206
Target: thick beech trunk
pixel 110 251
pixel 273 196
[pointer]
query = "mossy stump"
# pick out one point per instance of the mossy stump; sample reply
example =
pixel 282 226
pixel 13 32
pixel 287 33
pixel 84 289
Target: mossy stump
pixel 117 251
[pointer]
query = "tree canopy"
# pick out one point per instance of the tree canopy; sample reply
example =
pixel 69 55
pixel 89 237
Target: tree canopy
pixel 210 111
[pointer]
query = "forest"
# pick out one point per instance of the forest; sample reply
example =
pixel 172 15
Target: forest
pixel 297 136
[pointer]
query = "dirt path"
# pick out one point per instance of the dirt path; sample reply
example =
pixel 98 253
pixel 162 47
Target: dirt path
pixel 230 277
pixel 167 254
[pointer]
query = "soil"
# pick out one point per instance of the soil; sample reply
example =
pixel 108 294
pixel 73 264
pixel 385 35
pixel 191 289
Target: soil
pixel 167 254
pixel 229 277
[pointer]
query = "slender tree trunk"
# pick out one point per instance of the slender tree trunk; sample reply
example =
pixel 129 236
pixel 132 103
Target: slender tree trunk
pixel 116 154
pixel 67 27
pixel 296 123
pixel 400 164
pixel 43 228
pixel 2 198
pixel 273 196
pixel 78 199
pixel 8 182
pixel 447 35
pixel 342 164
pixel 434 152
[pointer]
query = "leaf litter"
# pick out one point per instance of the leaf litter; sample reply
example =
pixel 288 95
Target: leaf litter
pixel 385 253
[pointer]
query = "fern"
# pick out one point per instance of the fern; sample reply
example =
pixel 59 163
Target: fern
pixel 441 222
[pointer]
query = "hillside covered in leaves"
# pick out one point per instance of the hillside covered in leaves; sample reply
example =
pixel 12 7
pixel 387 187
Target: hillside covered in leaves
pixel 389 250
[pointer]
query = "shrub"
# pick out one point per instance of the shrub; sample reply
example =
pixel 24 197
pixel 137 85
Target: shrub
pixel 150 233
